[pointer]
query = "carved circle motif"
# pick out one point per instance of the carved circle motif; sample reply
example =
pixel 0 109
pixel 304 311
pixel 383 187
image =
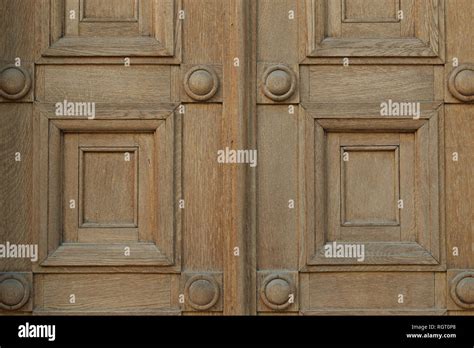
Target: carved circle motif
pixel 276 290
pixel 462 290
pixel 279 82
pixel 201 82
pixel 201 292
pixel 14 292
pixel 461 82
pixel 15 82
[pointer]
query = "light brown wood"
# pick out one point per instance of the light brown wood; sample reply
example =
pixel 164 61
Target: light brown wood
pixel 234 239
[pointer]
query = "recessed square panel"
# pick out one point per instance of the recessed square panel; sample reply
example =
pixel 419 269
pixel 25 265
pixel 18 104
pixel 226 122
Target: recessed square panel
pixel 108 187
pixel 370 185
pixel 110 190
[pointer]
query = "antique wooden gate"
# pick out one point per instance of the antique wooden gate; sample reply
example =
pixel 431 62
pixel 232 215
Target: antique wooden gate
pixel 236 157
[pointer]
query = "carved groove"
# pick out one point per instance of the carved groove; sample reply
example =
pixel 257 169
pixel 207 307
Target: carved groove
pixel 461 82
pixel 15 82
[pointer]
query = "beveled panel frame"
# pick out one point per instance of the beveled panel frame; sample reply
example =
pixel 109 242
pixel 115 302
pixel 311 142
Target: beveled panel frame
pixel 156 24
pixel 424 34
pixel 159 247
pixel 427 247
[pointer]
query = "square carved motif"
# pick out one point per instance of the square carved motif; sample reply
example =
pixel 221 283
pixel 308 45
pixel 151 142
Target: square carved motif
pixel 111 188
pixel 375 28
pixel 108 28
pixel 372 183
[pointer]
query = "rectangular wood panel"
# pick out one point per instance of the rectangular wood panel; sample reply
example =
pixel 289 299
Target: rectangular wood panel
pixel 363 11
pixel 107 84
pixel 16 184
pixel 203 190
pixel 107 293
pixel 460 185
pixel 369 291
pixel 370 83
pixel 277 186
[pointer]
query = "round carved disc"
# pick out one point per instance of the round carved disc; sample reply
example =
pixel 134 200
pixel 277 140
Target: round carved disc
pixel 278 291
pixel 461 82
pixel 278 82
pixel 462 289
pixel 201 82
pixel 201 292
pixel 465 290
pixel 15 82
pixel 464 82
pixel 12 292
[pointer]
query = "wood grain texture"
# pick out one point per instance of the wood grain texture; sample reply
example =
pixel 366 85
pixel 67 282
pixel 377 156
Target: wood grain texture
pixel 239 274
pixel 111 293
pixel 16 181
pixel 277 185
pixel 277 33
pixel 460 185
pixel 203 31
pixel 106 84
pixel 459 38
pixel 203 190
pixel 17 28
pixel 363 291
pixel 364 84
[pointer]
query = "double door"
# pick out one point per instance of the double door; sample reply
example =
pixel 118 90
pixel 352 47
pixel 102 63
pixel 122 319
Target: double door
pixel 237 157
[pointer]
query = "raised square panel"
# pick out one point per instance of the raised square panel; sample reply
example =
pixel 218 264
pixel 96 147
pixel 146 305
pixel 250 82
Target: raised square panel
pixel 110 189
pixel 111 200
pixel 371 182
pixel 375 28
pixel 366 11
pixel 108 28
pixel 367 172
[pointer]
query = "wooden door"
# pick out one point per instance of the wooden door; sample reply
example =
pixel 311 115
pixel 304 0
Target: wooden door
pixel 364 187
pixel 113 117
